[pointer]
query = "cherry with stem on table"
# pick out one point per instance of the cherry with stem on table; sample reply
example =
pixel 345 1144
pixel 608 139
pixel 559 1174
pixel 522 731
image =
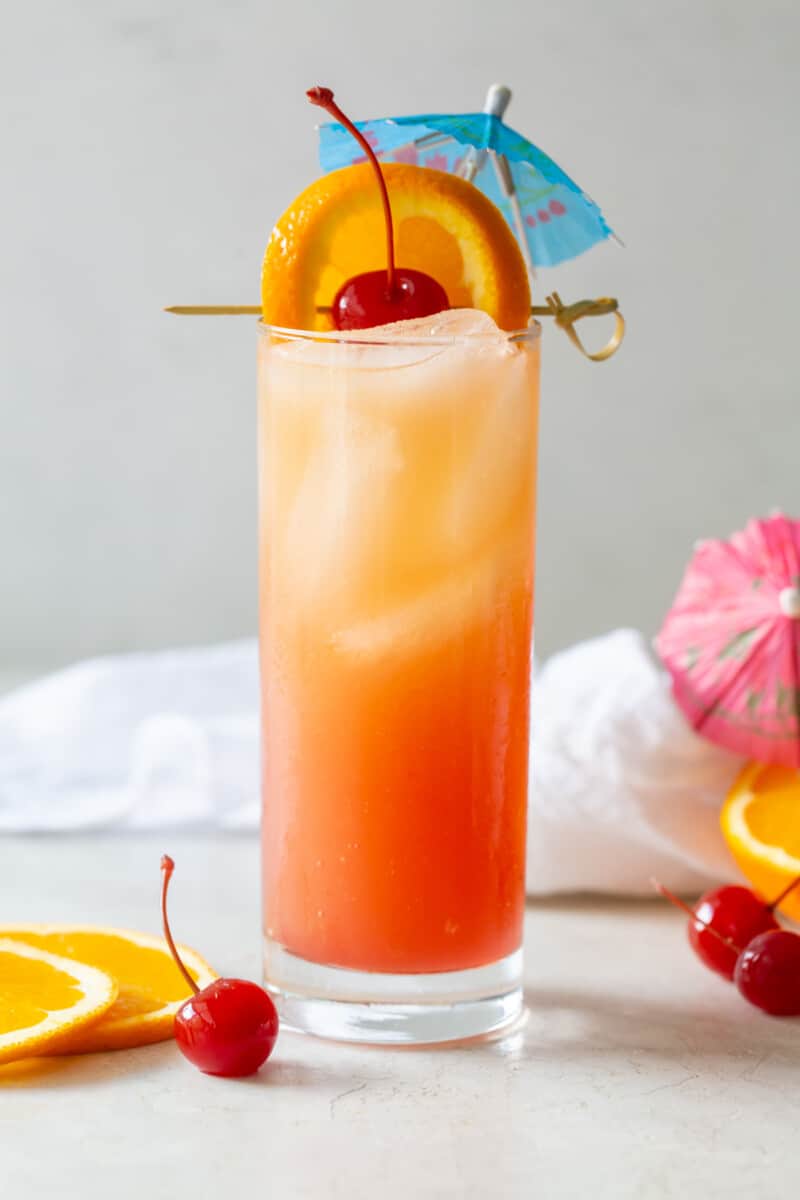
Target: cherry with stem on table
pixel 734 911
pixel 230 1026
pixel 766 960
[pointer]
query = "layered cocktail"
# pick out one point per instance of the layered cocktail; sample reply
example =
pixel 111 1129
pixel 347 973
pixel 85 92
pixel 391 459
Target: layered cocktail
pixel 397 469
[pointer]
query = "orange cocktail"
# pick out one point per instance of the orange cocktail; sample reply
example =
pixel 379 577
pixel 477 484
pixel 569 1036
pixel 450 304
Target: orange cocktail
pixel 397 489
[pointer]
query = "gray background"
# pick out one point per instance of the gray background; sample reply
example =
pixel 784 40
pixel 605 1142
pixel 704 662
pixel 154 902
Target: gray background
pixel 148 146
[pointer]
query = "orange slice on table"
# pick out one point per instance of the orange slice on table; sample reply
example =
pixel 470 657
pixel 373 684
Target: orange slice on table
pixel 46 999
pixel 443 226
pixel 151 988
pixel 761 824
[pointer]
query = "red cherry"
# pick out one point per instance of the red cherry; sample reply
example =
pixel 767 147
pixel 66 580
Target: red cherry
pixel 724 921
pixel 228 1028
pixel 768 973
pixel 735 912
pixel 378 297
pixel 365 301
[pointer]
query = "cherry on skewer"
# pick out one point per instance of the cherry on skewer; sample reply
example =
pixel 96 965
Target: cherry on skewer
pixel 379 297
pixel 230 1026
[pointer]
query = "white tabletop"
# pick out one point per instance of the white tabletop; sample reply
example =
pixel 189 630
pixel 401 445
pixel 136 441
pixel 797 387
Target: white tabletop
pixel 637 1073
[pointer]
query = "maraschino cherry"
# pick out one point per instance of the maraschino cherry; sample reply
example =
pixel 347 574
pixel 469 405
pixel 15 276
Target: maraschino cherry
pixel 228 1028
pixel 737 913
pixel 768 973
pixel 379 297
pixel 767 967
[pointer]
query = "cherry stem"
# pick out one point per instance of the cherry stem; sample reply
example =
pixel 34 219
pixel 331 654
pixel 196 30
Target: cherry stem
pixel 789 888
pixel 673 899
pixel 323 98
pixel 167 867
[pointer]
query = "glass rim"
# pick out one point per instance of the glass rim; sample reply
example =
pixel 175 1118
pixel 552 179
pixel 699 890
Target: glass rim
pixel 356 337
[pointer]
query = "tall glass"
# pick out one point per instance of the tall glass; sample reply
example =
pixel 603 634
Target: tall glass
pixel 397 494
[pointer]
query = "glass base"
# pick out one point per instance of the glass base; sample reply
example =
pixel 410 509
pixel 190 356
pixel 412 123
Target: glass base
pixel 365 1006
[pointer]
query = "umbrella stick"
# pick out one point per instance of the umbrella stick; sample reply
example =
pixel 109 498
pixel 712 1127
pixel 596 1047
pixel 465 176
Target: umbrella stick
pixel 506 180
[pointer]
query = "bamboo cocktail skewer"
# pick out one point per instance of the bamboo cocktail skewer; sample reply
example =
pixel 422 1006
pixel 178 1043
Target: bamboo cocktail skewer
pixel 564 315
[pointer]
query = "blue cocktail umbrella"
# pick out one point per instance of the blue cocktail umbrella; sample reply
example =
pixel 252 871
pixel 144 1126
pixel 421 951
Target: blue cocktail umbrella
pixel 553 218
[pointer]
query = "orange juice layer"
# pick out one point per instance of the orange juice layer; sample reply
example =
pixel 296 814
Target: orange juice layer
pixel 396 594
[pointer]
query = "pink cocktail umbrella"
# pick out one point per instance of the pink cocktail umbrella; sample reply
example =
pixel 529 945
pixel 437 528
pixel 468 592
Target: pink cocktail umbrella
pixel 732 641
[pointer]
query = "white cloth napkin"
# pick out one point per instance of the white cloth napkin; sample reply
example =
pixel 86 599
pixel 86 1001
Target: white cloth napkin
pixel 622 788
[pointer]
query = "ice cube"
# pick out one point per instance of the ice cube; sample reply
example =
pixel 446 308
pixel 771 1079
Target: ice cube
pixel 354 351
pixel 338 534
pixel 454 323
pixel 437 614
pixel 496 470
pixel 444 611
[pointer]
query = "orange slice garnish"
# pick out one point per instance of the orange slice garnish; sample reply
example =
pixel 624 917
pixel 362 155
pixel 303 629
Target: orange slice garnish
pixel 151 988
pixel 761 823
pixel 45 1000
pixel 443 226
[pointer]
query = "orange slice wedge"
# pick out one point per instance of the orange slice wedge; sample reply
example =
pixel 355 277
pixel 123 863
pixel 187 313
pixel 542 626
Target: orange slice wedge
pixel 46 999
pixel 761 823
pixel 151 988
pixel 443 226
